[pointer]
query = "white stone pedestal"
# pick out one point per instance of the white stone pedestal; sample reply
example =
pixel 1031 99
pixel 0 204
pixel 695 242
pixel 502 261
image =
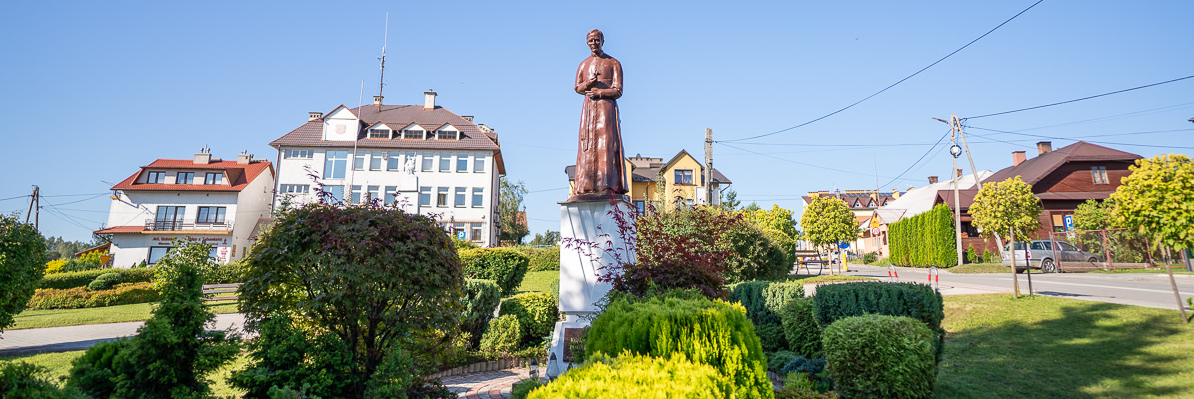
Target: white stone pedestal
pixel 588 221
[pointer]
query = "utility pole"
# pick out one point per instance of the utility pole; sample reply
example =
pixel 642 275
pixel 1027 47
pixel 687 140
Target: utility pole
pixel 34 207
pixel 708 167
pixel 955 151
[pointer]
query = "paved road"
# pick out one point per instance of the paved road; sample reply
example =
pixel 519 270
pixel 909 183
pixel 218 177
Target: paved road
pixel 73 338
pixel 1140 289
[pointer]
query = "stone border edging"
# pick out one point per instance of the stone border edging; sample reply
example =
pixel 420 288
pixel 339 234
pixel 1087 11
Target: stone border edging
pixel 492 365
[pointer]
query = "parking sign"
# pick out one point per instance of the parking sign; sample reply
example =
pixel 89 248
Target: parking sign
pixel 1069 222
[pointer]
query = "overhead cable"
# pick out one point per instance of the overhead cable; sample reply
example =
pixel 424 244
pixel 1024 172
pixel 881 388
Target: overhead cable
pixel 1080 99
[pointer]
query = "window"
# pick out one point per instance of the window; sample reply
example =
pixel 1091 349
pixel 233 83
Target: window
pixel 460 196
pixel 379 133
pixel 373 191
pixel 475 235
pixel 155 178
pixel 184 178
pixel 214 178
pixel 458 230
pixel 295 188
pixel 334 166
pixel 336 192
pixel 1065 246
pixel 445 162
pixel 1100 174
pixel 375 161
pixel 479 164
pixel 356 194
pixel 393 162
pixel 359 162
pixel 683 176
pixel 1041 245
pixel 641 206
pixel 445 135
pixel 412 134
pixel 298 154
pixel 424 196
pixel 391 195
pixel 478 196
pixel 462 163
pixel 441 197
pixel 428 162
pixel 210 214
pixel 156 254
pixel 168 218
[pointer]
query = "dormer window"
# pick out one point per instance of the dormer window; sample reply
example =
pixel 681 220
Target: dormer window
pixel 185 178
pixel 155 178
pixel 447 135
pixel 379 133
pixel 413 134
pixel 214 178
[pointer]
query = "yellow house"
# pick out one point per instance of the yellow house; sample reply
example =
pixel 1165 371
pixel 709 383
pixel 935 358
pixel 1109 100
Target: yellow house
pixel 653 181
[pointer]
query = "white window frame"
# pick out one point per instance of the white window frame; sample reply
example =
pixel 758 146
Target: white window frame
pixel 155 177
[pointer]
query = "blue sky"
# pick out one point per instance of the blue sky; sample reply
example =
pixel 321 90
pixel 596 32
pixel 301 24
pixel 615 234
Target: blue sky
pixel 95 90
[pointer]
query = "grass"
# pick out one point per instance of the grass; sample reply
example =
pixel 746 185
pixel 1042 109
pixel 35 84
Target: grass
pixel 980 268
pixel 1177 269
pixel 59 366
pixel 1045 347
pixel 825 278
pixel 543 281
pixel 109 314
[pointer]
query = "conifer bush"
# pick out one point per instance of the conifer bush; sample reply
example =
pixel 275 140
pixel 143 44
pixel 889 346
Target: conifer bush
pixel 800 327
pixel 481 298
pixel 924 240
pixel 637 376
pixel 763 301
pixel 537 314
pixel 918 301
pixel 105 281
pixel 502 337
pixel 705 331
pixel 879 356
pixel 505 266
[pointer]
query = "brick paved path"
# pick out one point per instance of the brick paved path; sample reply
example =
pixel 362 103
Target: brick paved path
pixel 486 385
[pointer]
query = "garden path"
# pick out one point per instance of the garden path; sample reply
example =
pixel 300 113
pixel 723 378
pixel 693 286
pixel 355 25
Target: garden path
pixel 486 385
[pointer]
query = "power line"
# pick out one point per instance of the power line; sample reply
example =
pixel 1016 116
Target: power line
pixel 896 83
pixel 12 198
pixel 1080 99
pixel 921 157
pixel 73 195
pixel 1091 141
pixel 798 162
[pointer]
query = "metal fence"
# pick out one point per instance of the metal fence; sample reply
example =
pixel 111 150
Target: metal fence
pixel 1109 249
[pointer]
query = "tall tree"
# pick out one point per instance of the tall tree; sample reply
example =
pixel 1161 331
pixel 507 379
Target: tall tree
pixel 1157 200
pixel 547 238
pixel 827 220
pixel 511 227
pixel 1007 207
pixel 776 218
pixel 22 258
pixel 729 201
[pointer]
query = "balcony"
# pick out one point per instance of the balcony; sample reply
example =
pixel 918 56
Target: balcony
pixel 171 225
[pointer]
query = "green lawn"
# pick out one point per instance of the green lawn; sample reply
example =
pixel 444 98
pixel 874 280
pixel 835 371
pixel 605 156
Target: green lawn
pixel 825 278
pixel 59 366
pixel 1044 347
pixel 980 268
pixel 543 281
pixel 109 314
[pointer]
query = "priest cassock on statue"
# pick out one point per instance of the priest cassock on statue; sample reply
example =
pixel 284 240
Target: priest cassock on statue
pixel 600 172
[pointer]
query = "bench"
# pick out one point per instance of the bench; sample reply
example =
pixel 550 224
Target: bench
pixel 808 257
pixel 212 292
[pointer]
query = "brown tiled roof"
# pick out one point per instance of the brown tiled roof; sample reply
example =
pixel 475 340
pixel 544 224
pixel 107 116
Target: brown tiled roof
pixel 966 197
pixel 121 230
pixel 648 174
pixel 397 116
pixel 237 175
pixel 1035 169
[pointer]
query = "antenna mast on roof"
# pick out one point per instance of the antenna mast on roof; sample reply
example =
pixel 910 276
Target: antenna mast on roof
pixel 382 82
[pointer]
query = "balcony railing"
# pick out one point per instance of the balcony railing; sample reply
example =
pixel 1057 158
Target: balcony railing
pixel 171 225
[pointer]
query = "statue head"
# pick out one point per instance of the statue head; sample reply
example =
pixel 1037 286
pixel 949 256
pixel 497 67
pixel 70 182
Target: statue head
pixel 595 39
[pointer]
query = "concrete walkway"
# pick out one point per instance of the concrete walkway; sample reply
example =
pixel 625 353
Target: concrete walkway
pixel 73 338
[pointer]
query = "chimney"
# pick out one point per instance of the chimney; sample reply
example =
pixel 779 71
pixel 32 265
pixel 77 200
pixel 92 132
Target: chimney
pixel 244 158
pixel 203 157
pixel 895 193
pixel 377 100
pixel 467 117
pixel 314 116
pixel 932 179
pixel 1043 147
pixel 429 99
pixel 1018 158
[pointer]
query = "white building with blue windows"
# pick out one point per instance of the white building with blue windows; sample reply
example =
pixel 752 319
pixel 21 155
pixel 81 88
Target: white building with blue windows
pixel 202 199
pixel 422 158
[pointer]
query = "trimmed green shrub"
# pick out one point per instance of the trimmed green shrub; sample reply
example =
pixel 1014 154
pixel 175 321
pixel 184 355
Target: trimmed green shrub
pixel 636 376
pixel 537 314
pixel 878 356
pixel 870 258
pixel 813 371
pixel 504 266
pixel 798 386
pixel 481 298
pixel 709 332
pixel 541 259
pixel 763 300
pixel 521 389
pixel 757 257
pixel 227 273
pixel 94 372
pixel 62 281
pixel 105 281
pixel 918 301
pixel 924 240
pixel 502 336
pixel 776 360
pixel 81 297
pixel 800 327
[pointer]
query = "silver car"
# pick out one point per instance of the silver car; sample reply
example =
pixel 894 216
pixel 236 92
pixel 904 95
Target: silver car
pixel 1040 255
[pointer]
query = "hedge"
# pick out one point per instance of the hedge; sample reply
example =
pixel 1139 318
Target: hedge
pixel 763 301
pixel 800 327
pixel 61 281
pixel 709 332
pixel 81 297
pixel 918 301
pixel 542 259
pixel 502 336
pixel 481 298
pixel 505 266
pixel 924 240
pixel 879 356
pixel 105 281
pixel 537 314
pixel 634 376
